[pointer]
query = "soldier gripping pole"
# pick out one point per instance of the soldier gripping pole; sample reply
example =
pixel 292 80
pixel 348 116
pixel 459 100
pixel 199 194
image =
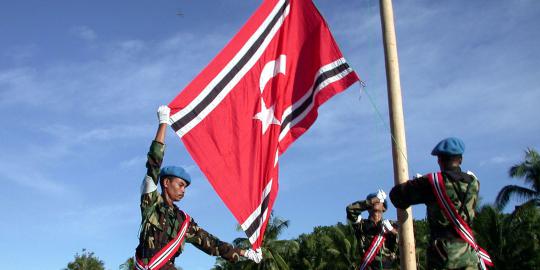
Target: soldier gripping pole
pixel 397 124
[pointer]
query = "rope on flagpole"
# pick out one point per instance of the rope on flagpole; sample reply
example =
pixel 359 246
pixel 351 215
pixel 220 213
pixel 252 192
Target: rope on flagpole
pixel 363 89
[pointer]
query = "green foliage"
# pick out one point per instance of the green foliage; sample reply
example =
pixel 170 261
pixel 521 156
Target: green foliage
pixel 512 240
pixel 343 252
pixel 276 253
pixel 85 261
pixel 129 264
pixel 421 236
pixel 529 171
pixel 313 249
pixel 328 247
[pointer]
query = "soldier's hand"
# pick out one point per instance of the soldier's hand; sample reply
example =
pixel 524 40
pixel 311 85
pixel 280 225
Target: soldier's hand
pixel 387 225
pixel 254 255
pixel 163 114
pixel 381 195
pixel 472 174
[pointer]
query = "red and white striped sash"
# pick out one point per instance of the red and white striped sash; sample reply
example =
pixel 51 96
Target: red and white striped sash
pixel 373 250
pixel 167 252
pixel 450 212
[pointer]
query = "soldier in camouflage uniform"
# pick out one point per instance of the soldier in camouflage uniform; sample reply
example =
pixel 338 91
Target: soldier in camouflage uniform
pixel 367 229
pixel 161 218
pixel 446 249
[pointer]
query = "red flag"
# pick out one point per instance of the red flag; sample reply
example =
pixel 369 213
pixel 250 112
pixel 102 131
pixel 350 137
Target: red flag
pixel 258 95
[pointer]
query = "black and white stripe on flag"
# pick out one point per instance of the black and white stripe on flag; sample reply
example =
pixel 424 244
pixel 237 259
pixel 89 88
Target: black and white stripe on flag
pixel 326 75
pixel 252 225
pixel 210 97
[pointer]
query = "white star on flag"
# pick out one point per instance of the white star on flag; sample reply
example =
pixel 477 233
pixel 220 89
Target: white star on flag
pixel 266 116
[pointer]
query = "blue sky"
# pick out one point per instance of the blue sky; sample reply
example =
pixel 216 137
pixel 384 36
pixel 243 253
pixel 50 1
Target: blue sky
pixel 80 82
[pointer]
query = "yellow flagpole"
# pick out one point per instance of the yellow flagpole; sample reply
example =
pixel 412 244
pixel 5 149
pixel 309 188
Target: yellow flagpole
pixel 397 125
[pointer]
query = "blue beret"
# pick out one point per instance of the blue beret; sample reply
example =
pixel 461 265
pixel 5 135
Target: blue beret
pixel 450 147
pixel 373 195
pixel 175 171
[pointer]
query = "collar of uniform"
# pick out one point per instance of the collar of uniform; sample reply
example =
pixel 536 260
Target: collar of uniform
pixel 458 175
pixel 453 169
pixel 372 224
pixel 170 210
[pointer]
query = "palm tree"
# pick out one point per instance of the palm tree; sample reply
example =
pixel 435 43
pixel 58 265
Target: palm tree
pixel 491 231
pixel 86 261
pixel 512 240
pixel 313 254
pixel 344 248
pixel 275 252
pixel 129 264
pixel 529 171
pixel 328 248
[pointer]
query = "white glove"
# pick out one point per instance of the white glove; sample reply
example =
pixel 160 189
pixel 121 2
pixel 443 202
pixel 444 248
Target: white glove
pixel 381 195
pixel 387 225
pixel 358 219
pixel 472 174
pixel 163 114
pixel 254 255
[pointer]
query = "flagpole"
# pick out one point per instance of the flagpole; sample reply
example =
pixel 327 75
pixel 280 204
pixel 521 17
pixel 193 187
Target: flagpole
pixel 399 146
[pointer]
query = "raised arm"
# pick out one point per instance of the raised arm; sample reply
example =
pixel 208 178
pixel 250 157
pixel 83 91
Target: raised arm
pixel 163 117
pixel 356 208
pixel 149 193
pixel 412 192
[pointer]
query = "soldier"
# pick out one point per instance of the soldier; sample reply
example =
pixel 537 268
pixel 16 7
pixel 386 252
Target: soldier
pixel 164 227
pixel 376 236
pixel 450 196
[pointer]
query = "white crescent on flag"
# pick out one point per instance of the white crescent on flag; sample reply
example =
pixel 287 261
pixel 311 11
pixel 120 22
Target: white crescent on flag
pixel 270 70
pixel 258 95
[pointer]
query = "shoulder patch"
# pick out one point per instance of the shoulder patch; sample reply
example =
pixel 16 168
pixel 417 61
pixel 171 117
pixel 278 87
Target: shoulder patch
pixel 148 185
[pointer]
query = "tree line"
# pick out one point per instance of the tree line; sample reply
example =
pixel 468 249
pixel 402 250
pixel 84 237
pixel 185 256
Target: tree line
pixel 512 239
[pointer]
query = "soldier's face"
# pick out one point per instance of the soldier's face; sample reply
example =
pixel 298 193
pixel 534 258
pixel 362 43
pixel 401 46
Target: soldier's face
pixel 377 211
pixel 375 215
pixel 378 207
pixel 175 188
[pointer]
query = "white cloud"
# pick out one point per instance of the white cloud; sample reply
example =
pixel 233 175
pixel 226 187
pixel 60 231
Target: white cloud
pixel 95 220
pixel 31 178
pixel 137 161
pixel 84 33
pixel 499 160
pixel 123 80
pixel 21 53
pixel 112 133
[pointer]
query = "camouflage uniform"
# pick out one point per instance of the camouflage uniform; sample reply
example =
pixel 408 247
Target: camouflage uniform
pixel 446 249
pixel 160 222
pixel 365 231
